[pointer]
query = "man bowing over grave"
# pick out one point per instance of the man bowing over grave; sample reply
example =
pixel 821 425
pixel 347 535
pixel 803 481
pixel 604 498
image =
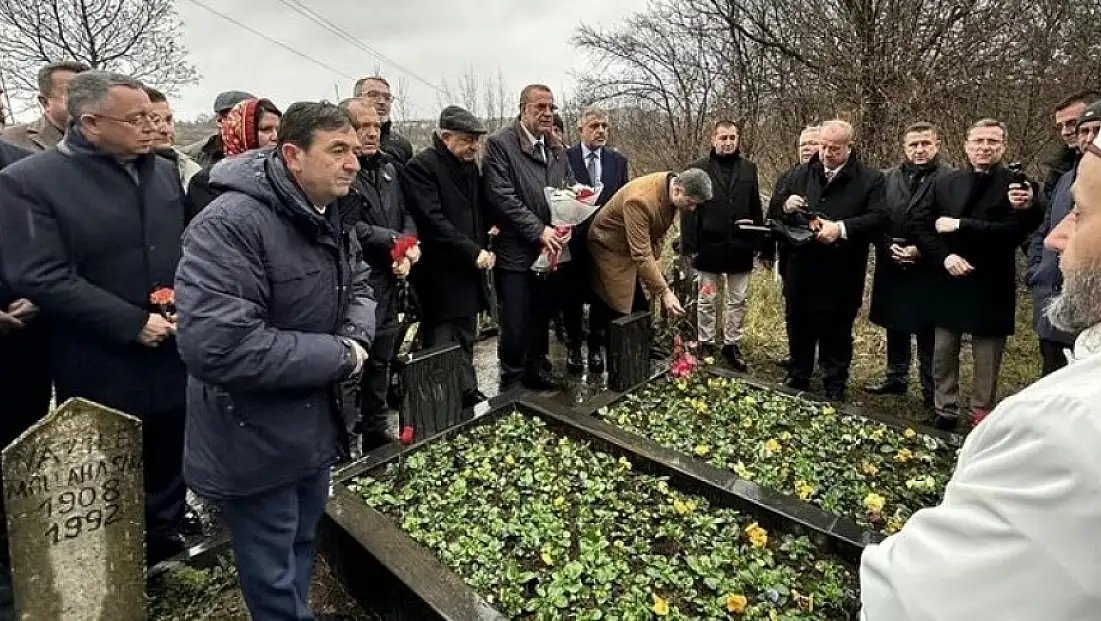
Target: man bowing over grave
pixel 1016 535
pixel 276 318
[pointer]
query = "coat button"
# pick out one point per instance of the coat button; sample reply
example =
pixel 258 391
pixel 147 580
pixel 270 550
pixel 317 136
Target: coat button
pixel 152 248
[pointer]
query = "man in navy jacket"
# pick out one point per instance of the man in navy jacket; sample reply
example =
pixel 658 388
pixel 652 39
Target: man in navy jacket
pixel 592 162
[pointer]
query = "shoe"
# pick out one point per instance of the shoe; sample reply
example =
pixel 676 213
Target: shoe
pixel 797 383
pixel 835 394
pixel 473 397
pixel 784 363
pixel 928 401
pixel 887 387
pixel 733 356
pixel 944 423
pixel 706 350
pixel 596 361
pixel 541 381
pixel 575 361
pixel 160 548
pixel 371 440
pixel 191 525
pixel 978 416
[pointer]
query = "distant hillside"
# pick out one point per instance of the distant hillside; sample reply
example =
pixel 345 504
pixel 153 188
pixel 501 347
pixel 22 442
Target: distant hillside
pixel 188 132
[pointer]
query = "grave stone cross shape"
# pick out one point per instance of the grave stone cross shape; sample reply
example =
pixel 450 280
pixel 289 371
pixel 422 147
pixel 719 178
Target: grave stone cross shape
pixel 74 503
pixel 629 351
pixel 432 384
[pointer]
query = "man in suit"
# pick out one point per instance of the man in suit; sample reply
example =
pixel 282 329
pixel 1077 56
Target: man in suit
pixel 902 274
pixel 520 161
pixel 843 201
pixel 969 225
pixel 721 253
pixel 1014 536
pixel 53 88
pixel 593 163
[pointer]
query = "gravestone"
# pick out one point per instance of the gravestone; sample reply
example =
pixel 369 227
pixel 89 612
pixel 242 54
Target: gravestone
pixel 432 383
pixel 74 501
pixel 629 351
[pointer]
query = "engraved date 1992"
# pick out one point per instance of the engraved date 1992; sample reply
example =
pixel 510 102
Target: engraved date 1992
pixel 79 511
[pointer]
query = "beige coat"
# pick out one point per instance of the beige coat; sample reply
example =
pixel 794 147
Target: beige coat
pixel 625 241
pixel 36 136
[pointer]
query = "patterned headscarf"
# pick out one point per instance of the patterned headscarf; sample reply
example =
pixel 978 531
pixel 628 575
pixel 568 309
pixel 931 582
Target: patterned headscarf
pixel 239 128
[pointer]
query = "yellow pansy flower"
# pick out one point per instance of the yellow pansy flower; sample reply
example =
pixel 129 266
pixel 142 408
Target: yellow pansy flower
pixel 772 446
pixel 758 536
pixel 870 469
pixel 909 434
pixel 804 490
pixel 510 460
pixel 702 450
pixel 736 604
pixel 874 503
pixel 660 607
pixel 903 456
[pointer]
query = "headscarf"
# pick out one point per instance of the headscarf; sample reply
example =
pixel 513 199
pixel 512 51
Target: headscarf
pixel 239 128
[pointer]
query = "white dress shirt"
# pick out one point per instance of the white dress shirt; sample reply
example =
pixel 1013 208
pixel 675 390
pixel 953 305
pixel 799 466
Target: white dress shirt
pixel 1018 535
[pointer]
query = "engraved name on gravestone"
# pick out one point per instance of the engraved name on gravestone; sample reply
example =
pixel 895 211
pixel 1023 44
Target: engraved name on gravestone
pixel 75 512
pixel 433 390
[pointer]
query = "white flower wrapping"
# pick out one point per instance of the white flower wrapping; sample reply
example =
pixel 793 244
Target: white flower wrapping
pixel 569 207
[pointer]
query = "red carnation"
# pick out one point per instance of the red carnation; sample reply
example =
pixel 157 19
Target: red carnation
pixel 163 300
pixel 402 245
pixel 407 435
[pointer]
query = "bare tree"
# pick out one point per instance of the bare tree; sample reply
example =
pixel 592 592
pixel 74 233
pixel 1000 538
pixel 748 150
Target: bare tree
pixel 485 98
pixel 140 38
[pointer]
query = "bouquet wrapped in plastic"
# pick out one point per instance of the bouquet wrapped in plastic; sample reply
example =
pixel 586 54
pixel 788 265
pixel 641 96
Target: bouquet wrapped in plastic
pixel 569 207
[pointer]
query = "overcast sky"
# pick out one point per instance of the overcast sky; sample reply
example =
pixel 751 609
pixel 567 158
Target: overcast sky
pixel 436 40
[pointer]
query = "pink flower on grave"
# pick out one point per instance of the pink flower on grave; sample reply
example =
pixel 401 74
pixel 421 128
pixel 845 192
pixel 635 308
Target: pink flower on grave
pixel 707 290
pixel 684 363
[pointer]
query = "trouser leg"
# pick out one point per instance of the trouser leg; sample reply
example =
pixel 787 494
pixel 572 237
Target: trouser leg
pixel 512 309
pixel 835 349
pixel 986 352
pixel 946 373
pixel 706 308
pixel 737 291
pixel 899 356
pixel 926 342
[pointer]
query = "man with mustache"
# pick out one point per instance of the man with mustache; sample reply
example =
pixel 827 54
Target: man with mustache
pixel 1014 536
pixel 276 318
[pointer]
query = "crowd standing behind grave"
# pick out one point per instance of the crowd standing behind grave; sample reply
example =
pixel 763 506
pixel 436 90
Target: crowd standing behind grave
pixel 246 296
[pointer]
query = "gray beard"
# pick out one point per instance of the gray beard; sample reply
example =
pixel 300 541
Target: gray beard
pixel 1079 305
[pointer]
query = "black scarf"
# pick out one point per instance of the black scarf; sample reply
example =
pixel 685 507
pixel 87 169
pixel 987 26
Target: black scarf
pixel 916 174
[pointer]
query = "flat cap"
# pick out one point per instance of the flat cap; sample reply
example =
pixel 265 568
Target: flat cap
pixel 1091 113
pixel 225 101
pixel 456 119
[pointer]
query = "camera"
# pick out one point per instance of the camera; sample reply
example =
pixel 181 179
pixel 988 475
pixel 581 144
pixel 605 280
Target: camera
pixel 1017 174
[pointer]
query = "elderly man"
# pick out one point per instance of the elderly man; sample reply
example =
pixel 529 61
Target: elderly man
pixel 1043 264
pixel 593 162
pixel 375 210
pixel 902 275
pixel 806 149
pixel 276 319
pixel 1013 538
pixel 89 231
pixel 520 161
pixel 626 239
pixel 444 193
pixel 721 253
pixel 164 140
pixel 843 201
pixel 53 88
pixel 375 90
pixel 969 225
pixel 210 150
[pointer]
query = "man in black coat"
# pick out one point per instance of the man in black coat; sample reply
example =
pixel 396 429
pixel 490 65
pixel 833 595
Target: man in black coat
pixel 721 253
pixel 89 231
pixel 902 275
pixel 520 161
pixel 375 210
pixel 276 318
pixel 1066 113
pixel 808 148
pixel 444 193
pixel 843 201
pixel 969 225
pixel 592 162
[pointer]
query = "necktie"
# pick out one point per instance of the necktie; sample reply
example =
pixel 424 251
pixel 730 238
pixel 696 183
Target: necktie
pixel 592 168
pixel 830 174
pixel 540 152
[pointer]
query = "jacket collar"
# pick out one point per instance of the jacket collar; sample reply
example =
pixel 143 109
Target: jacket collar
pixel 549 141
pixel 76 144
pixel 44 133
pixel 1088 343
pixel 291 200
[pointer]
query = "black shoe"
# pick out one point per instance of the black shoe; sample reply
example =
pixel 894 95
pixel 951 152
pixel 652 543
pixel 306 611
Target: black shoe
pixel 191 525
pixel 541 381
pixel 835 394
pixel 596 361
pixel 733 356
pixel 371 440
pixel 472 398
pixel 887 387
pixel 784 363
pixel 928 401
pixel 575 360
pixel 797 383
pixel 945 423
pixel 160 548
pixel 707 350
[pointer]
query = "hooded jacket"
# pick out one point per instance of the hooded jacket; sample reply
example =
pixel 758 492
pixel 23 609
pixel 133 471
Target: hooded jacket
pixel 266 292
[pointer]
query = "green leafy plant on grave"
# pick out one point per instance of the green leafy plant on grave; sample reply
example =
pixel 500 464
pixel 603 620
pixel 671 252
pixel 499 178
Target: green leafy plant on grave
pixel 192 594
pixel 548 527
pixel 847 465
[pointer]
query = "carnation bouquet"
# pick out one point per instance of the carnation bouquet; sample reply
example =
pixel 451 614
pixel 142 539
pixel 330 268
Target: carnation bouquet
pixel 569 207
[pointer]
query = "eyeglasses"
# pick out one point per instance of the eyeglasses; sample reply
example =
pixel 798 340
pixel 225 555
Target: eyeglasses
pixel 137 120
pixel 986 142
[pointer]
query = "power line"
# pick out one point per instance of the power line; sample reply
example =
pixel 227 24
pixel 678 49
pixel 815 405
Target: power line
pixel 320 20
pixel 270 40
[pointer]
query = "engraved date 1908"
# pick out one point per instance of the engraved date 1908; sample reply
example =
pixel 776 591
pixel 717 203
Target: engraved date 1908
pixel 80 511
